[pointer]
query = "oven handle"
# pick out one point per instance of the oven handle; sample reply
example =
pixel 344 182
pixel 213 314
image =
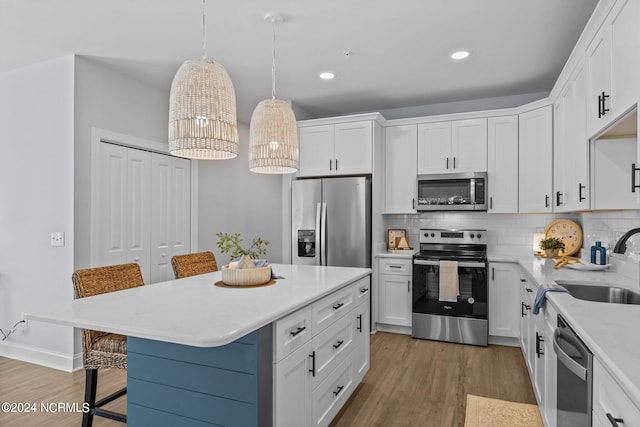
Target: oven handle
pixel 579 370
pixel 460 264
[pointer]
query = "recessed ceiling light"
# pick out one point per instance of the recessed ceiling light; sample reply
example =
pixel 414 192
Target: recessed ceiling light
pixel 461 54
pixel 327 75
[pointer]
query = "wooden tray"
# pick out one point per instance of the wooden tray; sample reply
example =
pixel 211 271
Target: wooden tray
pixel 221 284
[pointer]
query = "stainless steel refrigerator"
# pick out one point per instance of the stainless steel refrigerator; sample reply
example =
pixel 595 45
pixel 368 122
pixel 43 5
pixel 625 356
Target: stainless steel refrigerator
pixel 331 221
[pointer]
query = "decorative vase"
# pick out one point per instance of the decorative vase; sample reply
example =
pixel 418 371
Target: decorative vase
pixel 551 253
pixel 245 262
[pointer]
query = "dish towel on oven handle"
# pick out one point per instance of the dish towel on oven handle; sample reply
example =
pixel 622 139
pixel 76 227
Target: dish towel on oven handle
pixel 449 282
pixel 541 295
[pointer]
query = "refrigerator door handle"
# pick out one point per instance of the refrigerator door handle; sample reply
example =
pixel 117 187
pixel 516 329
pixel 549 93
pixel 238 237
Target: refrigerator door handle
pixel 319 242
pixel 323 235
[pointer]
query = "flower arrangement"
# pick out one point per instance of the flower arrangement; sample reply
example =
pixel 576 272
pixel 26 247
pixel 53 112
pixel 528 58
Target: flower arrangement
pixel 552 243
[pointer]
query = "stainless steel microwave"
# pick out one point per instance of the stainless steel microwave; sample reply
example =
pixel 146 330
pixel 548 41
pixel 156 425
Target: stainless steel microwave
pixel 453 192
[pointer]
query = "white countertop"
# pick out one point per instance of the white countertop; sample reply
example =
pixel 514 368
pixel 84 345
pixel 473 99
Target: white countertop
pixel 609 330
pixel 193 311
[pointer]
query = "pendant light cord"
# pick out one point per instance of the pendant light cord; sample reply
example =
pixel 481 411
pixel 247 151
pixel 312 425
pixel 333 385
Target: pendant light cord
pixel 204 32
pixel 273 60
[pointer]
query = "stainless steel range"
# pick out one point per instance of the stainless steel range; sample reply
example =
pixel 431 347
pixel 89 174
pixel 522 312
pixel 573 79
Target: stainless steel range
pixel 463 317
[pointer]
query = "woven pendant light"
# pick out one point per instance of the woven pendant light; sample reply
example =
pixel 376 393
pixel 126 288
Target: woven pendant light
pixel 273 132
pixel 202 109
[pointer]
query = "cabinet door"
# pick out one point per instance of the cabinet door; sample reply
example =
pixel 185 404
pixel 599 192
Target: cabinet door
pixel 502 164
pixel 612 175
pixel 539 347
pixel 361 351
pixel 625 52
pixel 401 145
pixel 353 148
pixel 577 193
pixel 292 390
pixel 395 300
pixel 535 165
pixel 504 298
pixel 434 148
pixel 562 167
pixel 598 57
pixel 469 145
pixel 316 150
pixel 550 413
pixel 524 312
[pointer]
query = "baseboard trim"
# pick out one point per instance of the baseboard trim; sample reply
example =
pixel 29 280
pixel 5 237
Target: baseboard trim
pixel 50 359
pixel 506 341
pixel 406 330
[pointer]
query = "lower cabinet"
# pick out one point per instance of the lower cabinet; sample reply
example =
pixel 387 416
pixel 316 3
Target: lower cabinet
pixel 314 377
pixel 611 406
pixel 504 294
pixel 394 291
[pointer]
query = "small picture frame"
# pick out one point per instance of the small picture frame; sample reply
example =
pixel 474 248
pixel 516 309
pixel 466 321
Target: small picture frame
pixel 393 234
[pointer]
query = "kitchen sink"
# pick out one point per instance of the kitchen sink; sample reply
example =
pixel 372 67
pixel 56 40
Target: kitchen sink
pixel 600 293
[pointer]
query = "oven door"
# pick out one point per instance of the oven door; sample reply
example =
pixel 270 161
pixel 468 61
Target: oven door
pixel 463 321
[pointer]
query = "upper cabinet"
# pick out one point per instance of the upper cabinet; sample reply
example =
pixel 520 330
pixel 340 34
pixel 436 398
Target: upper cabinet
pixel 535 171
pixel 400 169
pixel 502 164
pixel 571 146
pixel 612 60
pixel 452 146
pixel 344 148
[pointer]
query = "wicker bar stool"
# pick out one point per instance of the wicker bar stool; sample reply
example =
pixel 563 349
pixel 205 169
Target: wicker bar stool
pixel 102 349
pixel 193 264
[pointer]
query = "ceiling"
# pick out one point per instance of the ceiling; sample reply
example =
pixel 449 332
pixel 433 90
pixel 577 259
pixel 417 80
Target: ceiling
pixel 399 50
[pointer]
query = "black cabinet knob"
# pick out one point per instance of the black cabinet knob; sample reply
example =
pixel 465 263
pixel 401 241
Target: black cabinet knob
pixel 472 235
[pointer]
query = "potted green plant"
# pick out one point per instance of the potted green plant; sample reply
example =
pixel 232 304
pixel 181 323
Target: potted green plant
pixel 551 246
pixel 231 243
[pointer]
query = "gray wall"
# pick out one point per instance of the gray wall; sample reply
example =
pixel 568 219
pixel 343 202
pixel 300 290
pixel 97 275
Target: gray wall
pixel 232 199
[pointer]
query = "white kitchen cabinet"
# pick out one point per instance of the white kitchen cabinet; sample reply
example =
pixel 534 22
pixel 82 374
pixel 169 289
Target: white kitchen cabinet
pixel 395 285
pixel 452 146
pixel 502 164
pixel 571 146
pixel 320 356
pixel 526 303
pixel 539 347
pixel 336 149
pixel 610 403
pixel 400 169
pixel 612 67
pixel 504 295
pixel 550 412
pixel 535 161
pixel 612 174
pixel 292 389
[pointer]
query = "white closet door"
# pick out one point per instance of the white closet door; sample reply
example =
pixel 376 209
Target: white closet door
pixel 170 213
pixel 124 181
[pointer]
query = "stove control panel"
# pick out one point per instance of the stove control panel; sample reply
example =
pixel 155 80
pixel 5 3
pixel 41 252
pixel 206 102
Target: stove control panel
pixel 454 236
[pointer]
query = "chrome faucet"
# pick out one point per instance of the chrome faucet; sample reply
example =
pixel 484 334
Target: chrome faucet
pixel 621 245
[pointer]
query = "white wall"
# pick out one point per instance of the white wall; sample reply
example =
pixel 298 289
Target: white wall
pixel 36 172
pixel 232 199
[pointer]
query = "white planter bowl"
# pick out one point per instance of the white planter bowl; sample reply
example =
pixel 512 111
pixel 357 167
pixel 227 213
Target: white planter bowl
pixel 245 276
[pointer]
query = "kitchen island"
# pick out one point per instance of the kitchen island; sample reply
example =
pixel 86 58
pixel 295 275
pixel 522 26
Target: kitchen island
pixel 201 354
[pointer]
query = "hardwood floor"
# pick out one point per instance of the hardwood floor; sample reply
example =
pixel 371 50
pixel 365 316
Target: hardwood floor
pixel 410 383
pixel 422 383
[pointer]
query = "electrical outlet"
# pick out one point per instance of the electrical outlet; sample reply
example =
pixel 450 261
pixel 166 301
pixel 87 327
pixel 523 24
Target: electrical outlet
pixel 26 320
pixel 57 238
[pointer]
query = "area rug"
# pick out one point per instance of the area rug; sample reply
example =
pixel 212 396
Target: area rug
pixel 485 412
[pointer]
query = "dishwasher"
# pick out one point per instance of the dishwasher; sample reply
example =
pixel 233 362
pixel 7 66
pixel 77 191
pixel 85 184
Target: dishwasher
pixel 575 377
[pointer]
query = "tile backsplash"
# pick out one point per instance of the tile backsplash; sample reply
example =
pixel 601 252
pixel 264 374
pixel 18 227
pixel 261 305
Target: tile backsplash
pixel 512 234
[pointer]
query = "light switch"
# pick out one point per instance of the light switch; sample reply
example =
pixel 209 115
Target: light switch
pixel 57 238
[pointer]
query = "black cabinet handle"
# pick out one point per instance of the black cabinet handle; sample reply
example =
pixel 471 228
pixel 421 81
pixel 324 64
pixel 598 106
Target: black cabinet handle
pixel 338 344
pixel 602 109
pixel 336 164
pixel 454 162
pixel 634 169
pixel 359 328
pixel 546 200
pixel 614 421
pixel 558 196
pixel 522 313
pixel 539 340
pixel 413 203
pixel 337 306
pixel 491 202
pixel 493 273
pixel 330 164
pixel 580 196
pixel 447 163
pixel 364 290
pixel 313 363
pixel 338 390
pixel 528 290
pixel 298 331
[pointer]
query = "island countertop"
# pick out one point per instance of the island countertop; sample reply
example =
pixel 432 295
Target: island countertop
pixel 193 311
